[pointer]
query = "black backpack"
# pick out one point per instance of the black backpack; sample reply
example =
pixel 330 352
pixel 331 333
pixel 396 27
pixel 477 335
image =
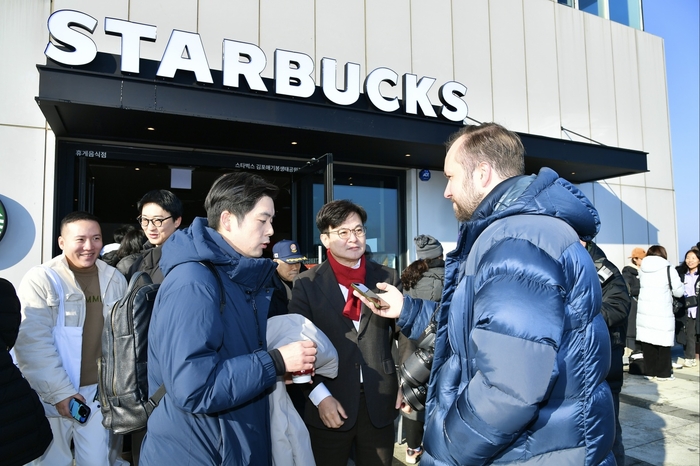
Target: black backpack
pixel 123 367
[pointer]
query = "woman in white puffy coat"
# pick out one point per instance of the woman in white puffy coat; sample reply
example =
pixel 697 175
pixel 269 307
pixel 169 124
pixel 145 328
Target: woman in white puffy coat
pixel 655 320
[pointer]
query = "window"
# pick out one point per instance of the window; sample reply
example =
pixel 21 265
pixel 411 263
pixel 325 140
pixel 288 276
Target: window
pixel 627 12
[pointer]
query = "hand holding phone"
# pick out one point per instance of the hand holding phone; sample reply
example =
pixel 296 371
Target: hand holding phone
pixel 378 302
pixel 79 410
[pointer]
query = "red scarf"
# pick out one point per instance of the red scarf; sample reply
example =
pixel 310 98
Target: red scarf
pixel 346 275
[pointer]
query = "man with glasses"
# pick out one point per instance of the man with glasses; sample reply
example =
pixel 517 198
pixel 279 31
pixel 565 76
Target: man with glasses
pixel 359 406
pixel 161 215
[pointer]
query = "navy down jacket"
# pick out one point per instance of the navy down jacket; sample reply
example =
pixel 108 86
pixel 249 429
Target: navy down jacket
pixel 215 365
pixel 522 349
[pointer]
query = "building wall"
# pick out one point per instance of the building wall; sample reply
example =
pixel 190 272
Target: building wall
pixel 533 65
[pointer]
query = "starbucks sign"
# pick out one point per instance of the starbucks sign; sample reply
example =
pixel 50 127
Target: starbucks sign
pixel 3 220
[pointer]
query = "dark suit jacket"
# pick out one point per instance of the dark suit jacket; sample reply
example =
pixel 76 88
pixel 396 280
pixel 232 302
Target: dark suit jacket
pixel 317 296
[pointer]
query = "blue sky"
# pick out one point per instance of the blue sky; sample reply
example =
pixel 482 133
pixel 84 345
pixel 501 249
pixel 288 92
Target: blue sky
pixel 676 21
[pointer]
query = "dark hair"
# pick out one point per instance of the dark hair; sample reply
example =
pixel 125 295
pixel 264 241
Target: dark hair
pixel 121 231
pixel 683 267
pixel 77 216
pixel 336 212
pixel 131 243
pixel 236 193
pixel 165 199
pixel 492 143
pixel 657 250
pixel 413 273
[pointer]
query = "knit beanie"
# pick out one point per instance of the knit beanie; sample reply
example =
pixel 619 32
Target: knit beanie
pixel 427 247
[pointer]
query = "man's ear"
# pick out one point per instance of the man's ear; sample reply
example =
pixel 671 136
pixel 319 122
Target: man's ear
pixel 177 222
pixel 325 240
pixel 61 242
pixel 225 220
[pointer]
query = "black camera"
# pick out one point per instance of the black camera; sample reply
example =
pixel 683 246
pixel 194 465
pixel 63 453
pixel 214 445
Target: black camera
pixel 415 370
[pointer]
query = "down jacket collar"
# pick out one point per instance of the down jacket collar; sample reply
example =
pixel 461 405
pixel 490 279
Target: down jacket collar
pixel 199 242
pixel 542 194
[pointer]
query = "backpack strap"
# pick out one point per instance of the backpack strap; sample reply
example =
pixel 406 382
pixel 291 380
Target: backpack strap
pixel 160 393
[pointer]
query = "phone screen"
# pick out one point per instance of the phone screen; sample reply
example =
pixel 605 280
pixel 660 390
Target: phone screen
pixel 79 410
pixel 378 302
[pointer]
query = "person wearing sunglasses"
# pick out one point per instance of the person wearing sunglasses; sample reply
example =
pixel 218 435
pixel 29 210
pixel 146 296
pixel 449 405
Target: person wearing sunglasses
pixel 160 216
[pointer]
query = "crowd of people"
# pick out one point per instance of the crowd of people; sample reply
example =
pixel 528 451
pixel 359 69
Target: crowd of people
pixel 531 325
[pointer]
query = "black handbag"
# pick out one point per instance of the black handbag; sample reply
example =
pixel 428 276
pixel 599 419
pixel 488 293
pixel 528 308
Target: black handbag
pixel 679 305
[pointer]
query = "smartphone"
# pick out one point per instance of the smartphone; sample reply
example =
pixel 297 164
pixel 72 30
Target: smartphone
pixel 79 410
pixel 378 302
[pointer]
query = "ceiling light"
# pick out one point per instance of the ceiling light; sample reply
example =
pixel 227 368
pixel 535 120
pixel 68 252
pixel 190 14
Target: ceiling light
pixel 137 169
pixel 408 155
pixel 294 143
pixel 150 128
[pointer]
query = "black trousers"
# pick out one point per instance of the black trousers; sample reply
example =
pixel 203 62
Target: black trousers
pixel 373 446
pixel 657 360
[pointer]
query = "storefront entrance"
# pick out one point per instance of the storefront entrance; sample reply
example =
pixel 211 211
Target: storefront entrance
pixel 108 180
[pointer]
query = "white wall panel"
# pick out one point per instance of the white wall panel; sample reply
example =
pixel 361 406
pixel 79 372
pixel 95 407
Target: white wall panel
pixel 609 206
pixel 654 106
pixel 431 43
pixel 661 208
pixel 167 15
pixel 99 9
pixel 388 39
pixel 435 214
pixel 627 102
pixel 472 56
pixel 508 64
pixel 573 84
pixel 22 194
pixel 23 37
pixel 227 19
pixel 340 34
pixel 541 69
pixel 288 26
pixel 635 228
pixel 601 92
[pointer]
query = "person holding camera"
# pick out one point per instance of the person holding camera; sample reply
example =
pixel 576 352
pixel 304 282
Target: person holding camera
pixel 615 310
pixel 65 302
pixel 521 349
pixel 422 279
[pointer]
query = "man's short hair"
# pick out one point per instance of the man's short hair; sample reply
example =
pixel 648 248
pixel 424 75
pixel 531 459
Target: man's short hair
pixel 76 217
pixel 167 201
pixel 336 212
pixel 236 193
pixel 492 143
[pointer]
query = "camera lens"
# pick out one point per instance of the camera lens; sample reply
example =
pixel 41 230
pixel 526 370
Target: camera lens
pixel 83 411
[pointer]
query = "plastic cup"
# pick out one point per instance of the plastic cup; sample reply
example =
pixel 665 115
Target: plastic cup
pixel 302 376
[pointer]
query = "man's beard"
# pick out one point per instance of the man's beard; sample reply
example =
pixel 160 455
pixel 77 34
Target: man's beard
pixel 464 208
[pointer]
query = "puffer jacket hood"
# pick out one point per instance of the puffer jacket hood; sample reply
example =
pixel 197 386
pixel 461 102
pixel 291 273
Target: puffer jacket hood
pixel 542 194
pixel 651 264
pixel 199 242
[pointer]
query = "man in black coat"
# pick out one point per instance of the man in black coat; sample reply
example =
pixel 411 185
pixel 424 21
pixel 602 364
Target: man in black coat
pixel 359 406
pixel 615 309
pixel 26 433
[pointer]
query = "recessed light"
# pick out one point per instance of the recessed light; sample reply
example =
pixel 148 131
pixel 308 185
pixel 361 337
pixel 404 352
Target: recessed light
pixel 137 169
pixel 150 128
pixel 408 155
pixel 573 173
pixel 294 143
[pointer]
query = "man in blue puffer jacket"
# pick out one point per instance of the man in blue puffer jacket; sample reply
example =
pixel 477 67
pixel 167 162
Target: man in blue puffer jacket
pixel 213 359
pixel 521 350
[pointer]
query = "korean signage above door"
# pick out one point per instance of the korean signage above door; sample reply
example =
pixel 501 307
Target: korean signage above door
pixel 71 44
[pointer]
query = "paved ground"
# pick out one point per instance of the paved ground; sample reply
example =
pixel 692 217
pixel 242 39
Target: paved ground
pixel 660 420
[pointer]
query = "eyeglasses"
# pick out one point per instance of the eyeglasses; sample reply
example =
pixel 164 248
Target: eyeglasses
pixel 344 233
pixel 157 222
